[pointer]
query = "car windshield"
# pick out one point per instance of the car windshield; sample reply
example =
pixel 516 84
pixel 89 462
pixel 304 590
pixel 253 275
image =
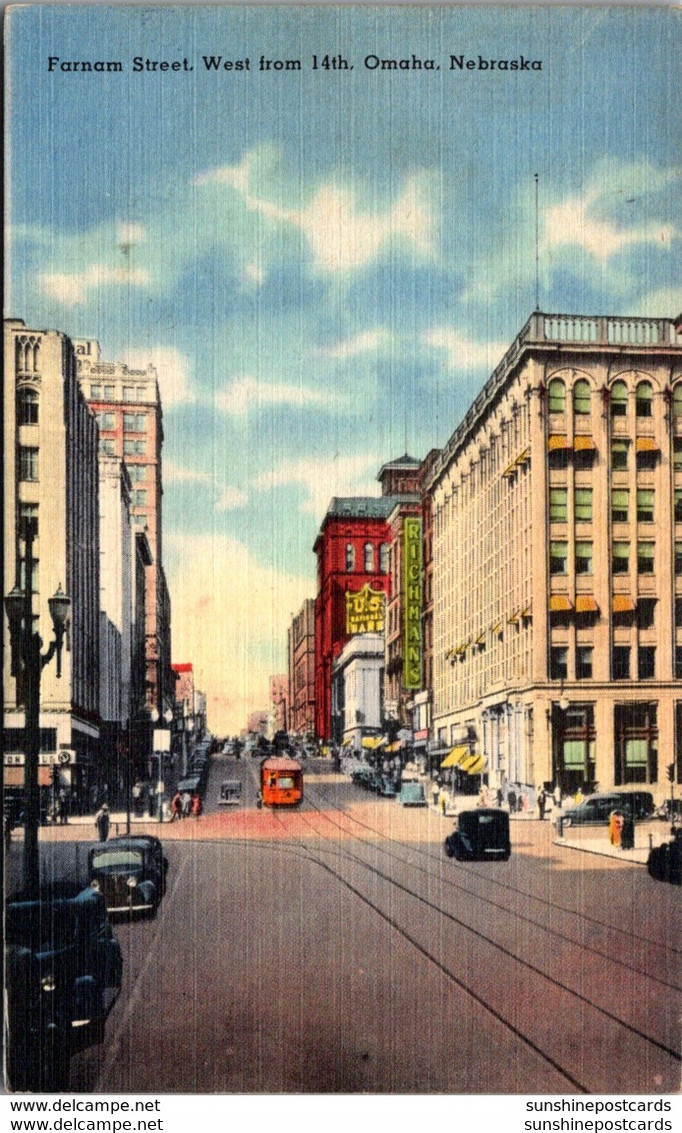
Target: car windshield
pixel 42 928
pixel 117 859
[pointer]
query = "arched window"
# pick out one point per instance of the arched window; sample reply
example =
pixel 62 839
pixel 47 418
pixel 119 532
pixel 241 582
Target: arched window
pixel 350 556
pixel 581 396
pixel 27 407
pixel 383 558
pixel 619 399
pixel 369 558
pixel 556 396
pixel 643 400
pixel 677 400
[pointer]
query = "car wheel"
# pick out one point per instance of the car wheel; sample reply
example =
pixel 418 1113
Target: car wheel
pixel 567 821
pixel 450 853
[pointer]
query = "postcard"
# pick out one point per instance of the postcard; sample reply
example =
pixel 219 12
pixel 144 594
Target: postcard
pixel 343 574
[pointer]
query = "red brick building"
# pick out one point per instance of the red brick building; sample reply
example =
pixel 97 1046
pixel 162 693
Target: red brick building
pixel 352 572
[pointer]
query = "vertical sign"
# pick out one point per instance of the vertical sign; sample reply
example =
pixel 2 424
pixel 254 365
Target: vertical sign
pixel 412 601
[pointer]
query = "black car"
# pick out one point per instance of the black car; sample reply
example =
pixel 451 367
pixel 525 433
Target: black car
pixel 665 862
pixel 130 872
pixel 63 971
pixel 480 835
pixel 641 803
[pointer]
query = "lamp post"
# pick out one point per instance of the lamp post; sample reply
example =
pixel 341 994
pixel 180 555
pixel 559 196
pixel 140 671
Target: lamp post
pixel 27 663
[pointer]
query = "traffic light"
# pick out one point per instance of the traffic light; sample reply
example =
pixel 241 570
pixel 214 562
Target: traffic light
pixel 671 772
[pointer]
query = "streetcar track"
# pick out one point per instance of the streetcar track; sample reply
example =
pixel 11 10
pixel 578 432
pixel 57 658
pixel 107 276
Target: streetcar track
pixel 635 1031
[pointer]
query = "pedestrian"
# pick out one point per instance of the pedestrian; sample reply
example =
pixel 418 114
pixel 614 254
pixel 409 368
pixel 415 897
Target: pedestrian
pixel 151 800
pixel 578 796
pixel 102 822
pixel 557 797
pixel 499 797
pixel 63 807
pixel 542 800
pixel 511 799
pixel 186 804
pixel 176 807
pixel 137 798
pixel 196 806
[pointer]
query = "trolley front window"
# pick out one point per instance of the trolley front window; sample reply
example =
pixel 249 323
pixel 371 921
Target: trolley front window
pixel 285 782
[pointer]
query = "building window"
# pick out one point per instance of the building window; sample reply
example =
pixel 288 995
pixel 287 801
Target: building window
pixel 556 396
pixel 558 556
pixel 141 393
pixel 643 400
pixel 678 557
pixel 636 743
pixel 106 421
pixel 583 558
pixel 646 608
pixel 619 505
pixel 383 558
pixel 583 505
pixel 28 463
pixel 109 393
pixel 620 662
pixel 645 505
pixel 558 504
pixel 677 454
pixel 369 558
pixel 137 472
pixel 140 498
pixel 558 663
pixel 133 448
pixel 678 505
pixel 620 559
pixel 581 397
pixel 107 447
pixel 34 575
pixel 678 662
pixel 619 399
pixel 677 400
pixel 128 393
pixel 583 663
pixel 27 407
pixel 96 393
pixel 134 422
pixel 619 455
pixel 645 558
pixel 350 556
pixel 28 512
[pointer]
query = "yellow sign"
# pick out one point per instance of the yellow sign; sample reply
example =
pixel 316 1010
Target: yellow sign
pixel 365 611
pixel 413 590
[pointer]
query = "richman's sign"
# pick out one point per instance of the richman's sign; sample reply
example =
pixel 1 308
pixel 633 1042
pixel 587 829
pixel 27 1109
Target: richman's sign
pixel 365 610
pixel 413 586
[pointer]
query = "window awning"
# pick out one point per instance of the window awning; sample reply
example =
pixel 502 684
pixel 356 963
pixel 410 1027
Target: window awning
pixel 646 444
pixel 523 458
pixel 559 603
pixel 455 755
pixel 373 742
pixel 622 604
pixel 586 604
pixel 474 764
pixel 510 469
pixel 557 442
pixel 395 746
pixel 583 444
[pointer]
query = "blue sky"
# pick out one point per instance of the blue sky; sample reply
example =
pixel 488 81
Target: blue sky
pixel 325 265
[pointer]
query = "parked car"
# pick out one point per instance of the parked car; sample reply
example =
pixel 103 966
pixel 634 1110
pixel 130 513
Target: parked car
pixel 412 793
pixel 670 810
pixel 641 803
pixel 63 971
pixel 592 811
pixel 130 872
pixel 387 788
pixel 480 835
pixel 230 792
pixel 665 862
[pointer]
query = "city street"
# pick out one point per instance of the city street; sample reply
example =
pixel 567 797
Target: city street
pixel 336 949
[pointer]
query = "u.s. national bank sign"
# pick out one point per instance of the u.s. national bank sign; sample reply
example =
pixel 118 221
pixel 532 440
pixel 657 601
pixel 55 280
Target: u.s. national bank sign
pixel 365 610
pixel 413 595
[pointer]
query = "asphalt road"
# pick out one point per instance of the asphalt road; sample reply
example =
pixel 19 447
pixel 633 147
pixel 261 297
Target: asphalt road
pixel 335 949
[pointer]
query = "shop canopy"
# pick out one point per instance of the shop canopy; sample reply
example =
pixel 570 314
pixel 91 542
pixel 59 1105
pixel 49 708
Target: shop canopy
pixel 474 764
pixel 371 743
pixel 455 755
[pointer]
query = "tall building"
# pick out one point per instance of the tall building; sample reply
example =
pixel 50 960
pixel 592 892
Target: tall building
pixel 52 480
pixel 353 580
pixel 127 404
pixel 557 561
pixel 301 670
pixel 279 704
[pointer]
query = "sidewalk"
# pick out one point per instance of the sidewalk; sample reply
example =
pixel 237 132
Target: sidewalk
pixel 647 836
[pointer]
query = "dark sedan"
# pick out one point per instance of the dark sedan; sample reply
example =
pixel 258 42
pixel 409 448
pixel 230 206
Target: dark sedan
pixel 480 835
pixel 665 862
pixel 130 872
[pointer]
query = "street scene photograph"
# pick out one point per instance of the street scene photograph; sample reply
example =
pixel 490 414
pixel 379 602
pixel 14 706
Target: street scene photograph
pixel 342 608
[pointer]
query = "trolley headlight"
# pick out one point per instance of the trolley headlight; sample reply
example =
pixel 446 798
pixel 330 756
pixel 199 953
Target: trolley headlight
pixel 131 882
pixel 48 983
pixel 95 885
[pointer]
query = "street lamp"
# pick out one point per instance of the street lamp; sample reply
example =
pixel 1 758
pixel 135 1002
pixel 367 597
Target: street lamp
pixel 27 663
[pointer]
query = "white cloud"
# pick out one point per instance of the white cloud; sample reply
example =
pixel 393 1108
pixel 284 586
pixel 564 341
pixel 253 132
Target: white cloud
pixel 253 273
pixel 172 368
pixel 367 342
pixel 230 499
pixel 73 289
pixel 131 234
pixel 175 474
pixel 464 353
pixel 230 618
pixel 666 303
pixel 323 478
pixel 570 222
pixel 246 393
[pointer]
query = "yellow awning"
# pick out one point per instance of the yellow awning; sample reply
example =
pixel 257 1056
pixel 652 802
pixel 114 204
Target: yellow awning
pixel 474 764
pixel 622 604
pixel 395 746
pixel 510 469
pixel 556 442
pixel 559 603
pixel 584 444
pixel 373 742
pixel 524 457
pixel 646 444
pixel 455 755
pixel 585 604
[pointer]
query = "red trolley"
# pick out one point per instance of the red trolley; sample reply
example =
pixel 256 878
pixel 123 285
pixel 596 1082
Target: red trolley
pixel 281 781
